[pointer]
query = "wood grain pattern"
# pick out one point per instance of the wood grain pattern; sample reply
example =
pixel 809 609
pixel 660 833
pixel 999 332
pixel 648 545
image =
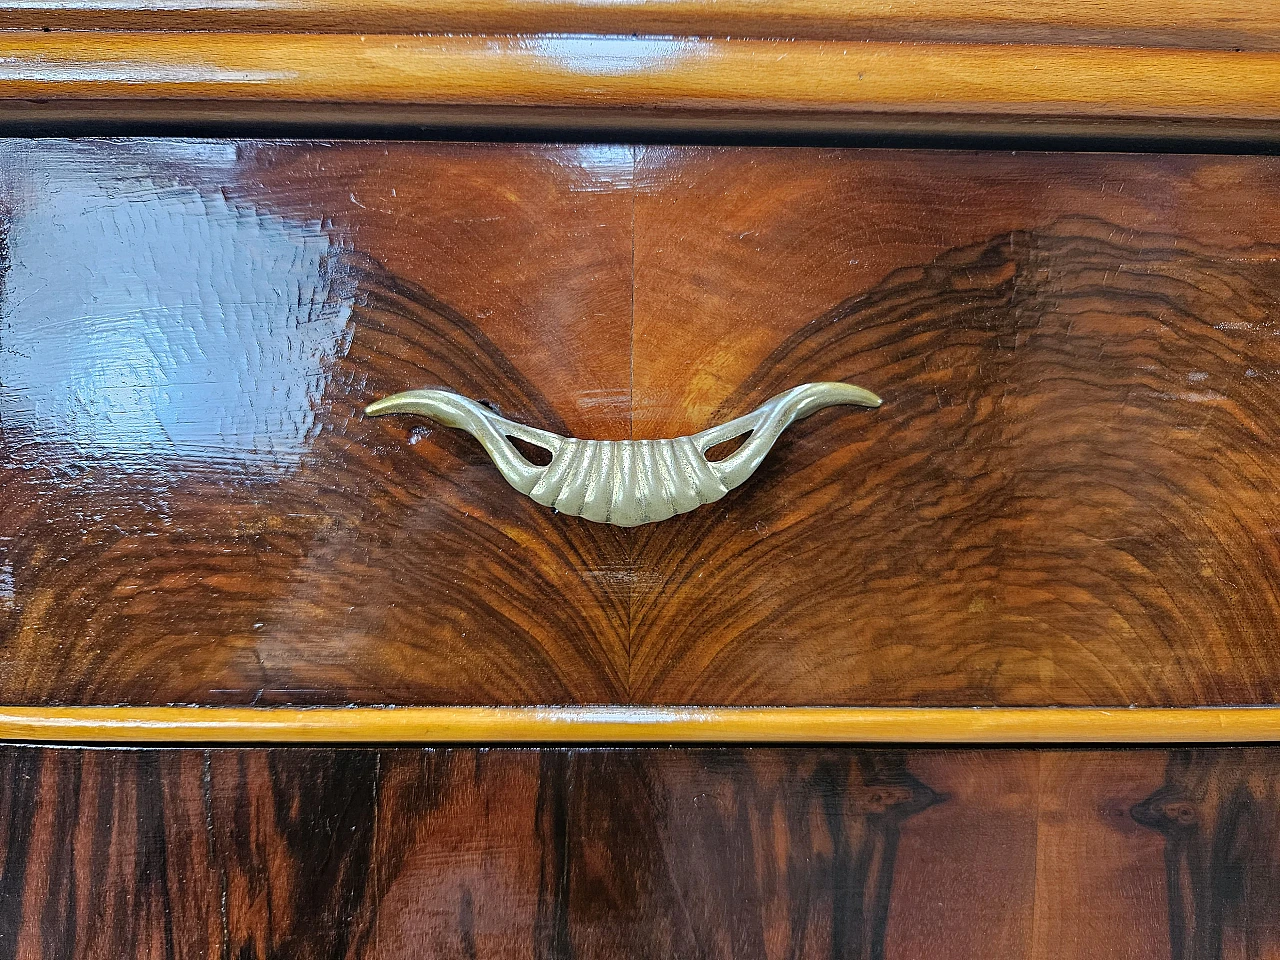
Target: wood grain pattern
pixel 622 853
pixel 1216 811
pixel 746 84
pixel 637 724
pixel 1226 23
pixel 196 511
pixel 1066 499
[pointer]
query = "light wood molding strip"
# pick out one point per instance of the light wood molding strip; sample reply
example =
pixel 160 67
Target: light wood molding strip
pixel 1039 725
pixel 1223 24
pixel 427 77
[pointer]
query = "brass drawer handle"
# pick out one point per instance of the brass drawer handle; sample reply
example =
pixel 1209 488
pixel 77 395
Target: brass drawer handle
pixel 626 482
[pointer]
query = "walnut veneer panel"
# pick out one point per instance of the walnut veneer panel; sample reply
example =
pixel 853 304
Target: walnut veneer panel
pixel 194 507
pixel 640 853
pixel 1068 497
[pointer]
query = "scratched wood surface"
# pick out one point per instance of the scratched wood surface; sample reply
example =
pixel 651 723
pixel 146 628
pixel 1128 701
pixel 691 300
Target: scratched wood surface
pixel 1067 498
pixel 640 853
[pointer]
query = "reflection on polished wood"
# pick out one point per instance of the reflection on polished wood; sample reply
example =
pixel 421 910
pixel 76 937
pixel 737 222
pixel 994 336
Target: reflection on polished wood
pixel 635 724
pixel 1067 498
pixel 194 507
pixel 744 84
pixel 621 853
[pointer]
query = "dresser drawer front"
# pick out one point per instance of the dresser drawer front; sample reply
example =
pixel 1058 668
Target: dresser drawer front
pixel 1066 498
pixel 722 853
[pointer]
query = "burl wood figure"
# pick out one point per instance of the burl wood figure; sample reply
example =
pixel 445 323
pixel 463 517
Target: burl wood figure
pixel 1067 497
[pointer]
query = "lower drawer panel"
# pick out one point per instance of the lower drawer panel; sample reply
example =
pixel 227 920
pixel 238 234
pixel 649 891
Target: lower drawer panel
pixel 639 852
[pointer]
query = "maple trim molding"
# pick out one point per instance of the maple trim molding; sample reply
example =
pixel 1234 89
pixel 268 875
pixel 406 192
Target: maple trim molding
pixel 584 81
pixel 665 724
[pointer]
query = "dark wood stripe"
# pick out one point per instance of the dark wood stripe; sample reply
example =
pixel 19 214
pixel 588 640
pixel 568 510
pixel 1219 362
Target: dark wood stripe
pixel 639 852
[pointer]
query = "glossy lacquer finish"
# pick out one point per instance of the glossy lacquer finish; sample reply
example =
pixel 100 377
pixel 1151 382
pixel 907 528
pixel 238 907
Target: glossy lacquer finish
pixel 196 508
pixel 640 853
pixel 1068 496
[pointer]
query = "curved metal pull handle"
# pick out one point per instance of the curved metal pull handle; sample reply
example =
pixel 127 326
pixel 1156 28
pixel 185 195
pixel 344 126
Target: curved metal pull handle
pixel 626 482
